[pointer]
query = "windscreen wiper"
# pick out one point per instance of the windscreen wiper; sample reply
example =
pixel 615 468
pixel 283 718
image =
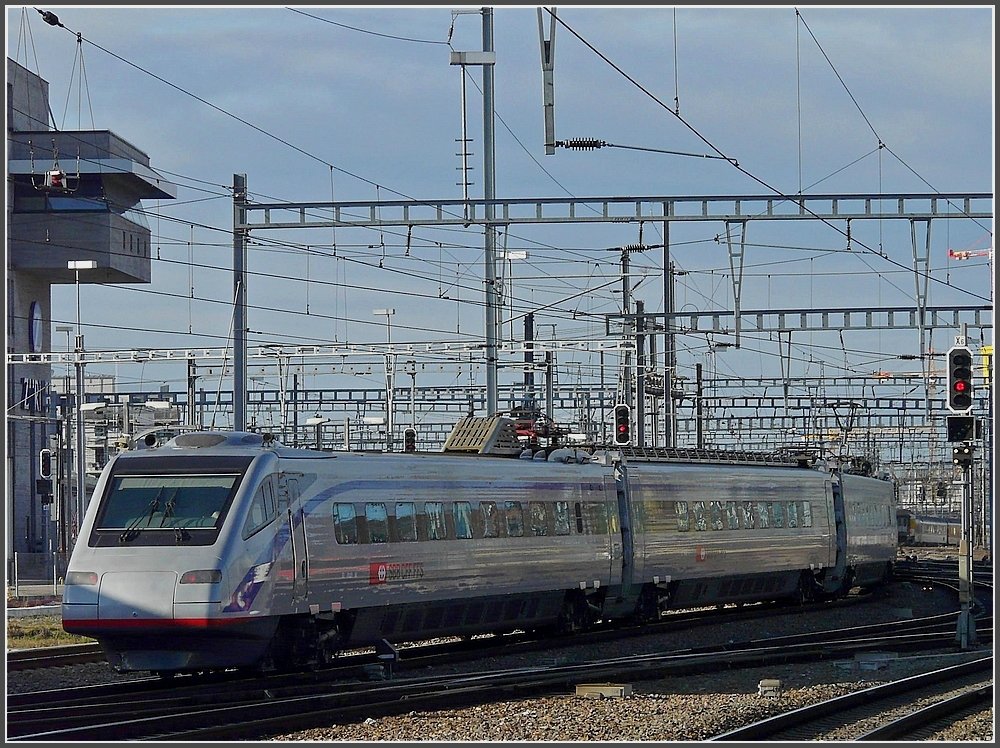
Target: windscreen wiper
pixel 133 529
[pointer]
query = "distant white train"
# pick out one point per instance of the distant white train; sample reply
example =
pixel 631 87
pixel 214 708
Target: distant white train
pixel 224 550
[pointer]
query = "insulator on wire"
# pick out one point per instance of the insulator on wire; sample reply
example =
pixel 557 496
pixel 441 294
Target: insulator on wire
pixel 50 18
pixel 581 144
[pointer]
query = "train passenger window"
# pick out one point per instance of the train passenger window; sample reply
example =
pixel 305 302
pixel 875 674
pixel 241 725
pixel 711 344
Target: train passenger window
pixel 561 510
pixel 578 513
pixel 807 518
pixel 777 513
pixel 732 518
pixel 378 522
pixel 345 523
pixel 536 515
pixel 683 523
pixel 716 510
pixel 436 527
pixel 700 523
pixel 746 514
pixel 489 511
pixel 406 521
pixel 761 515
pixel 462 512
pixel 515 519
pixel 793 514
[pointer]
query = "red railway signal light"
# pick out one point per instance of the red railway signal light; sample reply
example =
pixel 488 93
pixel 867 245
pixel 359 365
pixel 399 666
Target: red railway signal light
pixel 623 424
pixel 959 379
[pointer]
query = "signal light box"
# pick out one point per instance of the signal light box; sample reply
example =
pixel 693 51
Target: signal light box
pixel 959 398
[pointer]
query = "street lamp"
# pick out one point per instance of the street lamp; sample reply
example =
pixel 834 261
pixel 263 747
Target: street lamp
pixel 64 509
pixel 390 364
pixel 81 474
pixel 318 421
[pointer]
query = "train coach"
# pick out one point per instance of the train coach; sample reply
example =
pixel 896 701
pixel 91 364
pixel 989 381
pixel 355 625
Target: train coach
pixel 226 550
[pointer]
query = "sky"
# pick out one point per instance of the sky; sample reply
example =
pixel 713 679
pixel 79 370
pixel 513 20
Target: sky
pixel 321 103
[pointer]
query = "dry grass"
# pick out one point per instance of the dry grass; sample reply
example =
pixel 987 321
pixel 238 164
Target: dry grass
pixel 39 631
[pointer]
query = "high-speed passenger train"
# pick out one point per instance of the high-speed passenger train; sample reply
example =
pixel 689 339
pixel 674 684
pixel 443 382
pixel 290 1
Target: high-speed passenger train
pixel 226 550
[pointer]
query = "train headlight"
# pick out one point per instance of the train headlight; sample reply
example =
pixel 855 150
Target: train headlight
pixel 81 577
pixel 201 576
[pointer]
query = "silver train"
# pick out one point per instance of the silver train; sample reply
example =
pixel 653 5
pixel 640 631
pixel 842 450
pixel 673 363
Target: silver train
pixel 224 550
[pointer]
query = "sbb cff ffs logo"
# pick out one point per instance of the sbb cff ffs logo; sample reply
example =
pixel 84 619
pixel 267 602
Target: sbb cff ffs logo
pixel 623 424
pixel 959 379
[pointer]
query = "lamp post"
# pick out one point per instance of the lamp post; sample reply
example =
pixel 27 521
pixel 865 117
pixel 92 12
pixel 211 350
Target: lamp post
pixel 318 421
pixel 64 511
pixel 390 365
pixel 81 473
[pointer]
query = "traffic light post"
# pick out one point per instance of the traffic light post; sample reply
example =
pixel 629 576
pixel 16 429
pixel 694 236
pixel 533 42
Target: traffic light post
pixel 961 431
pixel 966 633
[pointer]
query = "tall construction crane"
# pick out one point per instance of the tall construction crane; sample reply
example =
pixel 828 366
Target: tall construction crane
pixel 965 254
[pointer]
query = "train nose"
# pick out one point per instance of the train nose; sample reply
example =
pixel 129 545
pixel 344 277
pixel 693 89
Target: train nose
pixel 137 595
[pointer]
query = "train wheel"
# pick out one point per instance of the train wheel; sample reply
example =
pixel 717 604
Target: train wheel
pixel 806 591
pixel 576 613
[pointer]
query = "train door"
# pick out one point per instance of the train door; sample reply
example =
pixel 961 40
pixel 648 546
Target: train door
pixel 622 565
pixel 834 580
pixel 614 534
pixel 295 516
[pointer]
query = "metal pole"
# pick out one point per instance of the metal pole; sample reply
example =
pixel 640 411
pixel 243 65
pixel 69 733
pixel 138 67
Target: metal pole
pixel 669 425
pixel 239 303
pixel 966 634
pixel 81 472
pixel 640 374
pixel 698 417
pixel 489 193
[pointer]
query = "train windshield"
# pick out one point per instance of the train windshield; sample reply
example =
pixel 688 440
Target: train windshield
pixel 139 505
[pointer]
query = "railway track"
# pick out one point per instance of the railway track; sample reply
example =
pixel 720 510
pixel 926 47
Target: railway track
pixel 849 715
pixel 43 657
pixel 192 709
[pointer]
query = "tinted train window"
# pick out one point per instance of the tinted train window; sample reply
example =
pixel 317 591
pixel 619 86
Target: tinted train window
pixel 489 511
pixel 732 518
pixel 462 511
pixel 436 527
pixel 763 519
pixel 716 509
pixel 807 517
pixel 165 502
pixel 777 513
pixel 562 517
pixel 262 508
pixel 578 513
pixel 345 524
pixel 406 521
pixel 378 523
pixel 746 513
pixel 515 519
pixel 536 513
pixel 700 523
pixel 793 514
pixel 683 523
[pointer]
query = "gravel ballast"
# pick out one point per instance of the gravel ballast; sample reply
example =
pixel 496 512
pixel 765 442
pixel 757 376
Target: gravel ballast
pixel 680 708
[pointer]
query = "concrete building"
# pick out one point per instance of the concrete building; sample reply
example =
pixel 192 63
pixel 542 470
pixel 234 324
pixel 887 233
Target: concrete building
pixel 72 196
